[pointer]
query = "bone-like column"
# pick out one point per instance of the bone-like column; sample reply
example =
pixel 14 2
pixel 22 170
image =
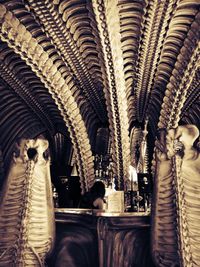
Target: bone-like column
pixel 26 207
pixel 176 201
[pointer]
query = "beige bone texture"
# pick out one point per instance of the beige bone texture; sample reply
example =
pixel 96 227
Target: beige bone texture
pixel 26 207
pixel 176 199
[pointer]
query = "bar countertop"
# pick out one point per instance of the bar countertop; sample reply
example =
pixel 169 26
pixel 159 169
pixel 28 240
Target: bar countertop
pixel 102 238
pixel 100 213
pixel 64 215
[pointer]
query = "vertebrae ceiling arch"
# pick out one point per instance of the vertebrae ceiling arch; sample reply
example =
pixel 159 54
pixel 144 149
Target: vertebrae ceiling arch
pixel 185 67
pixel 117 64
pixel 52 78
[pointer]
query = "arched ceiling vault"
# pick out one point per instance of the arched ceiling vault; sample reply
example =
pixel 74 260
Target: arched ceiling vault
pixel 74 66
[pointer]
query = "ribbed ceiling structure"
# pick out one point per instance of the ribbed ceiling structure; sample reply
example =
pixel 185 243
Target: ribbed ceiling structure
pixel 72 67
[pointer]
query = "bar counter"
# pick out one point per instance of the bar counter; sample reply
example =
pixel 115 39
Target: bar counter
pixel 94 238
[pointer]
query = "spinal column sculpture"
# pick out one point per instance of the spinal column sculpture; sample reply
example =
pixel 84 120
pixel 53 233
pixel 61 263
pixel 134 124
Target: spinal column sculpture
pixel 26 207
pixel 176 203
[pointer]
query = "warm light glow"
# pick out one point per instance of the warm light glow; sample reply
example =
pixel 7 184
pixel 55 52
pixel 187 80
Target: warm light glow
pixel 132 174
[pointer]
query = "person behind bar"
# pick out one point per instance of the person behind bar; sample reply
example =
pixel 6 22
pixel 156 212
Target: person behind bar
pixel 94 199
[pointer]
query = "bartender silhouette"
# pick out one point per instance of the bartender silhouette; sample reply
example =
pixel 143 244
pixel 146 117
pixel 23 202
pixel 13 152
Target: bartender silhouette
pixel 94 199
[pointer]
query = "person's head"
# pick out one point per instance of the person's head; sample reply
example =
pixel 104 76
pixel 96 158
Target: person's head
pixel 98 189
